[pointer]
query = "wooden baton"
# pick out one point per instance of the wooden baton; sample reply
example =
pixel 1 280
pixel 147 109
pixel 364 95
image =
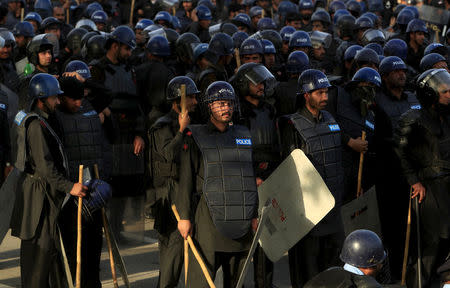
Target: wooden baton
pixel 195 251
pixel 80 208
pixel 360 169
pixel 408 236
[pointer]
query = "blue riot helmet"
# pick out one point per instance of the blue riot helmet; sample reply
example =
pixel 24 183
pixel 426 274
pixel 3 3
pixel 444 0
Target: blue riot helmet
pixel 297 62
pixel 158 46
pixel 435 48
pixel 268 47
pixel 305 5
pixel 124 35
pixel 251 46
pixel 143 23
pixel 404 17
pixel 322 16
pixel 354 7
pixel 396 47
pixel 428 61
pixel 286 33
pixel 363 22
pixel 95 47
pixel 300 39
pixel 99 194
pixel 43 85
pixel 351 51
pixel 199 50
pixel 99 16
pixel 228 28
pixel 23 29
pixel 366 56
pixel 238 38
pixel 203 13
pixel 266 24
pixel 311 80
pixel 242 19
pixel 176 24
pixel 174 88
pixel 367 74
pixel 363 249
pixel 319 39
pixel 391 63
pixel 87 24
pixel 346 25
pixel 49 23
pixel 416 25
pixel 372 16
pixel 339 13
pixel 218 91
pixel 184 46
pixel 373 36
pixel 163 16
pixel 375 47
pixel 93 7
pixel 273 36
pixel 286 7
pixel 414 10
pixel 44 8
pixel 208 4
pixel 33 16
pixel 80 67
pixel 255 11
pixel 398 8
pixel 220 44
pixel 375 6
pixel 335 5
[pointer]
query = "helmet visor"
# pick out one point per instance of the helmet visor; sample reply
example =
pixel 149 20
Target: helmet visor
pixel 259 74
pixel 438 80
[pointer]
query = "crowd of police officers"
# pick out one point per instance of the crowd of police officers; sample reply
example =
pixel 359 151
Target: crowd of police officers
pixel 258 79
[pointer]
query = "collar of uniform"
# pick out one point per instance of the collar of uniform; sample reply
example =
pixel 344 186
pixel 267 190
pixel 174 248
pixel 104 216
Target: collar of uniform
pixel 41 113
pixel 353 269
pixel 389 94
pixel 212 128
pixel 305 112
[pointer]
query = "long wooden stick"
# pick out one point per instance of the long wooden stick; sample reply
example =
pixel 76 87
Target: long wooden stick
pixel 408 236
pixel 238 57
pixel 80 208
pixel 195 251
pixel 131 12
pixel 108 237
pixel 183 99
pixel 22 12
pixel 186 261
pixel 360 170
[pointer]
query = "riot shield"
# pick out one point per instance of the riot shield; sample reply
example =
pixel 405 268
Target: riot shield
pixel 299 200
pixel 362 213
pixel 7 199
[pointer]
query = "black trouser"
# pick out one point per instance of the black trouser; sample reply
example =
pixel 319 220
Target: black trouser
pixel 312 255
pixel 263 268
pixel 171 255
pixel 91 244
pixel 232 264
pixel 40 259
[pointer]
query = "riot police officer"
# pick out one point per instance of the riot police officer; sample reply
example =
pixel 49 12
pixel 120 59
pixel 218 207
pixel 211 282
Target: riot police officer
pixel 391 102
pixel 43 189
pixel 251 50
pixel 23 33
pixel 166 141
pixel 363 254
pixel 416 32
pixel 85 144
pixel 423 138
pixel 355 113
pixel 128 145
pixel 8 74
pixel 5 144
pixel 319 249
pixel 224 241
pixel 251 82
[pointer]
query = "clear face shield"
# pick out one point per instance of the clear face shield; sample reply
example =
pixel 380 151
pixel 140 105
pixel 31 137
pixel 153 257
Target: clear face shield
pixel 260 74
pixel 319 38
pixel 214 29
pixel 439 81
pixel 55 42
pixel 168 4
pixel 158 32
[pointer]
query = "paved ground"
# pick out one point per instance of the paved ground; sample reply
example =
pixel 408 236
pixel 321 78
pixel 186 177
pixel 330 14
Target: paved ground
pixel 141 260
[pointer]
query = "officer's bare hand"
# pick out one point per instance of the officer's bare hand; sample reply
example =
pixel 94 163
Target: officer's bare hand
pixel 259 181
pixel 194 15
pixel 78 190
pixel 255 224
pixel 139 145
pixel 102 117
pixel 75 75
pixel 418 189
pixel 358 145
pixel 183 120
pixel 185 228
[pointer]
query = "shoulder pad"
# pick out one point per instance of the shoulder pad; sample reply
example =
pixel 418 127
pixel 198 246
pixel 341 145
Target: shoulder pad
pixel 3 106
pixel 22 117
pixel 204 73
pixel 409 117
pixel 161 121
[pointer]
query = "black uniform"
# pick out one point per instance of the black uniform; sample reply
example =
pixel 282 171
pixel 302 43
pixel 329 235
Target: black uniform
pixel 424 152
pixel 320 139
pixel 166 143
pixel 260 120
pixel 221 228
pixel 5 145
pixel 40 194
pixel 85 143
pixel 286 93
pixel 8 74
pixel 338 277
pixel 389 183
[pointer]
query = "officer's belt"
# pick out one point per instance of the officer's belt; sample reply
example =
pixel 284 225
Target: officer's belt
pixel 440 168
